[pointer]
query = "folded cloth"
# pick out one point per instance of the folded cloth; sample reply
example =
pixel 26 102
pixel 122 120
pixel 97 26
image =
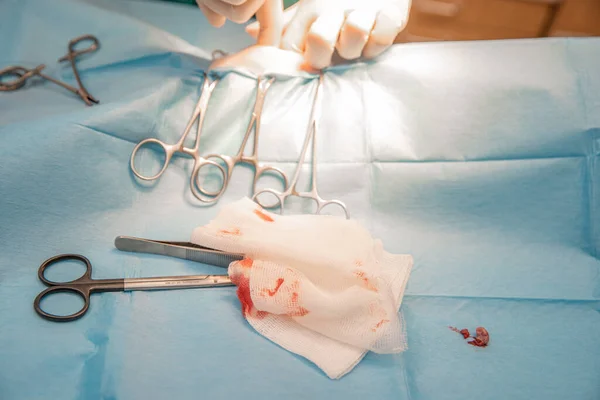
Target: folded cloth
pixel 319 286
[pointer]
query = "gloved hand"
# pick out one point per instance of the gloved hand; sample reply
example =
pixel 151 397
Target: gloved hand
pixel 316 28
pixel 269 13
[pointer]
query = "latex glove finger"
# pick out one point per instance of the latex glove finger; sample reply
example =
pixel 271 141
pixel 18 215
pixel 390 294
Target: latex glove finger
pixel 389 23
pixel 212 17
pixel 322 38
pixel 270 19
pixel 295 34
pixel 254 28
pixel 355 33
pixel 238 14
pixel 261 60
pixel 234 2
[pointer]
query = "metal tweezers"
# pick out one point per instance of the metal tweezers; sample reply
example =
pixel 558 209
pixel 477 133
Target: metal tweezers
pixel 184 250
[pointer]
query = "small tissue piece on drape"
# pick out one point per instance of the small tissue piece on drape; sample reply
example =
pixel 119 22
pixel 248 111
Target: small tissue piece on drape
pixel 318 286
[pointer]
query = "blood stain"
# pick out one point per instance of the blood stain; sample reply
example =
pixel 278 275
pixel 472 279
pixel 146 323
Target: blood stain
pixel 264 216
pixel 379 324
pixel 481 339
pixel 243 293
pixel 361 275
pixel 246 262
pixel 274 291
pixel 295 309
pixel 233 232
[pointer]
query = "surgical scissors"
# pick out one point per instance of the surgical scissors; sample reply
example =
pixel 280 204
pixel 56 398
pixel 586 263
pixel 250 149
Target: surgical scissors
pixel 84 286
pixel 292 190
pixel 263 85
pixel 171 149
pixel 22 74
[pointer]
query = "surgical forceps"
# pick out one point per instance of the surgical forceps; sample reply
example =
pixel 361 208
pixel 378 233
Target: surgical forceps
pixel 263 85
pixel 171 149
pixel 21 74
pixel 85 285
pixel 291 190
pixel 183 250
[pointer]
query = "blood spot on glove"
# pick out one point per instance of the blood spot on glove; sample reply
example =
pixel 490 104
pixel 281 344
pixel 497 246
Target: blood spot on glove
pixel 246 262
pixel 273 292
pixel 365 281
pixel 358 263
pixel 379 324
pixel 481 339
pixel 264 216
pixel 230 232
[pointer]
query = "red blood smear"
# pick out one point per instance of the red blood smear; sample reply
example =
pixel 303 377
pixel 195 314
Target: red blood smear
pixel 294 299
pixel 246 263
pixel 299 312
pixel 277 286
pixel 243 293
pixel 295 310
pixel 265 217
pixel 361 275
pixel 233 232
pixel 379 324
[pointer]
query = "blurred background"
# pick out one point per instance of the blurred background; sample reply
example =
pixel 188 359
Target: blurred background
pixel 438 20
pixel 434 20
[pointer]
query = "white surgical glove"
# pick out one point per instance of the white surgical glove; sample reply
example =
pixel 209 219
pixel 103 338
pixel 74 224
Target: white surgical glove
pixel 269 13
pixel 355 28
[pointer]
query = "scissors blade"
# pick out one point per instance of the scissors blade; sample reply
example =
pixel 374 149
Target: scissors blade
pixel 184 250
pixel 176 282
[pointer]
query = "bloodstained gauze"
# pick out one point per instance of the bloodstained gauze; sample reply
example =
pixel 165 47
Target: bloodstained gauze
pixel 365 280
pixel 273 292
pixel 296 310
pixel 231 232
pixel 243 293
pixel 246 262
pixel 379 324
pixel 264 216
